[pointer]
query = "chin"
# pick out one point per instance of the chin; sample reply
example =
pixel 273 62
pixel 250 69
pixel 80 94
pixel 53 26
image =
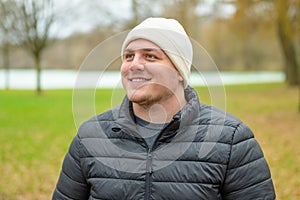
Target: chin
pixel 137 97
pixel 137 92
pixel 146 94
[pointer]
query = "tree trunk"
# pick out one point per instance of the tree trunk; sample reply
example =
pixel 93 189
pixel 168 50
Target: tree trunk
pixel 299 99
pixel 6 64
pixel 289 54
pixel 286 39
pixel 38 73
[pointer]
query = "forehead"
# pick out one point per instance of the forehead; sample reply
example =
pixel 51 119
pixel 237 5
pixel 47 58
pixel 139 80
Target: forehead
pixel 140 44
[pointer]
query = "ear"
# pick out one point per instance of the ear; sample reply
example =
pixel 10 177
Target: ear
pixel 180 78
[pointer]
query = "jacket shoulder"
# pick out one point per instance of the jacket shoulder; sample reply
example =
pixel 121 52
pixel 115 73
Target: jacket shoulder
pixel 216 116
pixel 228 128
pixel 97 124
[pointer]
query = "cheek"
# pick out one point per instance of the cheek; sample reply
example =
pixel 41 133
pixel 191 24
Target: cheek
pixel 124 69
pixel 172 74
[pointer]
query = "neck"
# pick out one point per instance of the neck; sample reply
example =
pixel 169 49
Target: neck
pixel 160 112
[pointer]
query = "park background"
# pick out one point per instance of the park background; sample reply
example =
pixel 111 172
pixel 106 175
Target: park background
pixel 37 125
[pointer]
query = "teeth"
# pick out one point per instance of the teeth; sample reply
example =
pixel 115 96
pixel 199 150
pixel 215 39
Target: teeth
pixel 138 80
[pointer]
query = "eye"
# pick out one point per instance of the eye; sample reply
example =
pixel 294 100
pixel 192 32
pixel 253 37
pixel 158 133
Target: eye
pixel 151 57
pixel 128 56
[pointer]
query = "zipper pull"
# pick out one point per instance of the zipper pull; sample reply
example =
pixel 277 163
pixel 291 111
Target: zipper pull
pixel 149 162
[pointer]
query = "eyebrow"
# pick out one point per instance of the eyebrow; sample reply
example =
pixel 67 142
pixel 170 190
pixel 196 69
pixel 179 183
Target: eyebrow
pixel 145 50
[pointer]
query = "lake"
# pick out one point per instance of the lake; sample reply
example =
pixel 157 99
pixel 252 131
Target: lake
pixel 68 79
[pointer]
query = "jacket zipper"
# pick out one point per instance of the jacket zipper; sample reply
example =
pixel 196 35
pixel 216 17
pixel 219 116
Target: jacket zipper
pixel 148 174
pixel 149 164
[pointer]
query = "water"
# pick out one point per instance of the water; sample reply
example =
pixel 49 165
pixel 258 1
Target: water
pixel 68 79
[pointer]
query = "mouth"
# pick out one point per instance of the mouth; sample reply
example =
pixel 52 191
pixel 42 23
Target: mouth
pixel 139 80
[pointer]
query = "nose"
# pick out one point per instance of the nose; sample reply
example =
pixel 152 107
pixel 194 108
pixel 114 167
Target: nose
pixel 138 63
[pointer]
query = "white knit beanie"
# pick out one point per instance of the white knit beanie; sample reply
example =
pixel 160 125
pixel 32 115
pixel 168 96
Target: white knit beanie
pixel 171 37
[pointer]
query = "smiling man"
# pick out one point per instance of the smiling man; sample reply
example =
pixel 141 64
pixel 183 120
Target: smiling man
pixel 152 82
pixel 161 142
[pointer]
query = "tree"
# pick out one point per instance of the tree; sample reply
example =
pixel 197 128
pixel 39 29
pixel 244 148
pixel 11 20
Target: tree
pixel 287 21
pixel 185 13
pixel 253 27
pixel 7 25
pixel 284 15
pixel 140 10
pixel 34 21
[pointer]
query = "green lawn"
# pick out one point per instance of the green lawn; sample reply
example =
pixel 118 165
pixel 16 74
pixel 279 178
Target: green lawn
pixel 35 132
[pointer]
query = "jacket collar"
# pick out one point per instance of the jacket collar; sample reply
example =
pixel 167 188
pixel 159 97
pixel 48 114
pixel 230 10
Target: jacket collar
pixel 125 117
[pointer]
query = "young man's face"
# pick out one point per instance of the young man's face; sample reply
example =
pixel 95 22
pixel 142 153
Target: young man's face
pixel 148 75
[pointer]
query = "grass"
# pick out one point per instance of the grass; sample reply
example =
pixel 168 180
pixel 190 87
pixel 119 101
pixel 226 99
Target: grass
pixel 35 133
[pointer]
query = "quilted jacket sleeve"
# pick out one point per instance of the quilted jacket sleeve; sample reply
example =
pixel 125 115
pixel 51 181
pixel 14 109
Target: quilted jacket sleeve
pixel 71 183
pixel 248 175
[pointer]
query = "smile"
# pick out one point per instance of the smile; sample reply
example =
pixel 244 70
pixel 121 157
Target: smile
pixel 138 80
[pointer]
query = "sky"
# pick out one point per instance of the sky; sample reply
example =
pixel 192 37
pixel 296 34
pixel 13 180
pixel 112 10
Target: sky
pixel 82 15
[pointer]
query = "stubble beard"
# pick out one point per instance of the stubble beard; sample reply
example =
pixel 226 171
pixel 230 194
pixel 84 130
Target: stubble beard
pixel 148 99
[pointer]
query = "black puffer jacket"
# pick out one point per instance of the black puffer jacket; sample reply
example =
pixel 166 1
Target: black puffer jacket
pixel 203 153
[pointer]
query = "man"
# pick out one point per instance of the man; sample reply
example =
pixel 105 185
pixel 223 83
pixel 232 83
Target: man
pixel 161 143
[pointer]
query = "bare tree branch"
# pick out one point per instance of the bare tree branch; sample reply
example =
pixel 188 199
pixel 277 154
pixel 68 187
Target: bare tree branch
pixel 34 22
